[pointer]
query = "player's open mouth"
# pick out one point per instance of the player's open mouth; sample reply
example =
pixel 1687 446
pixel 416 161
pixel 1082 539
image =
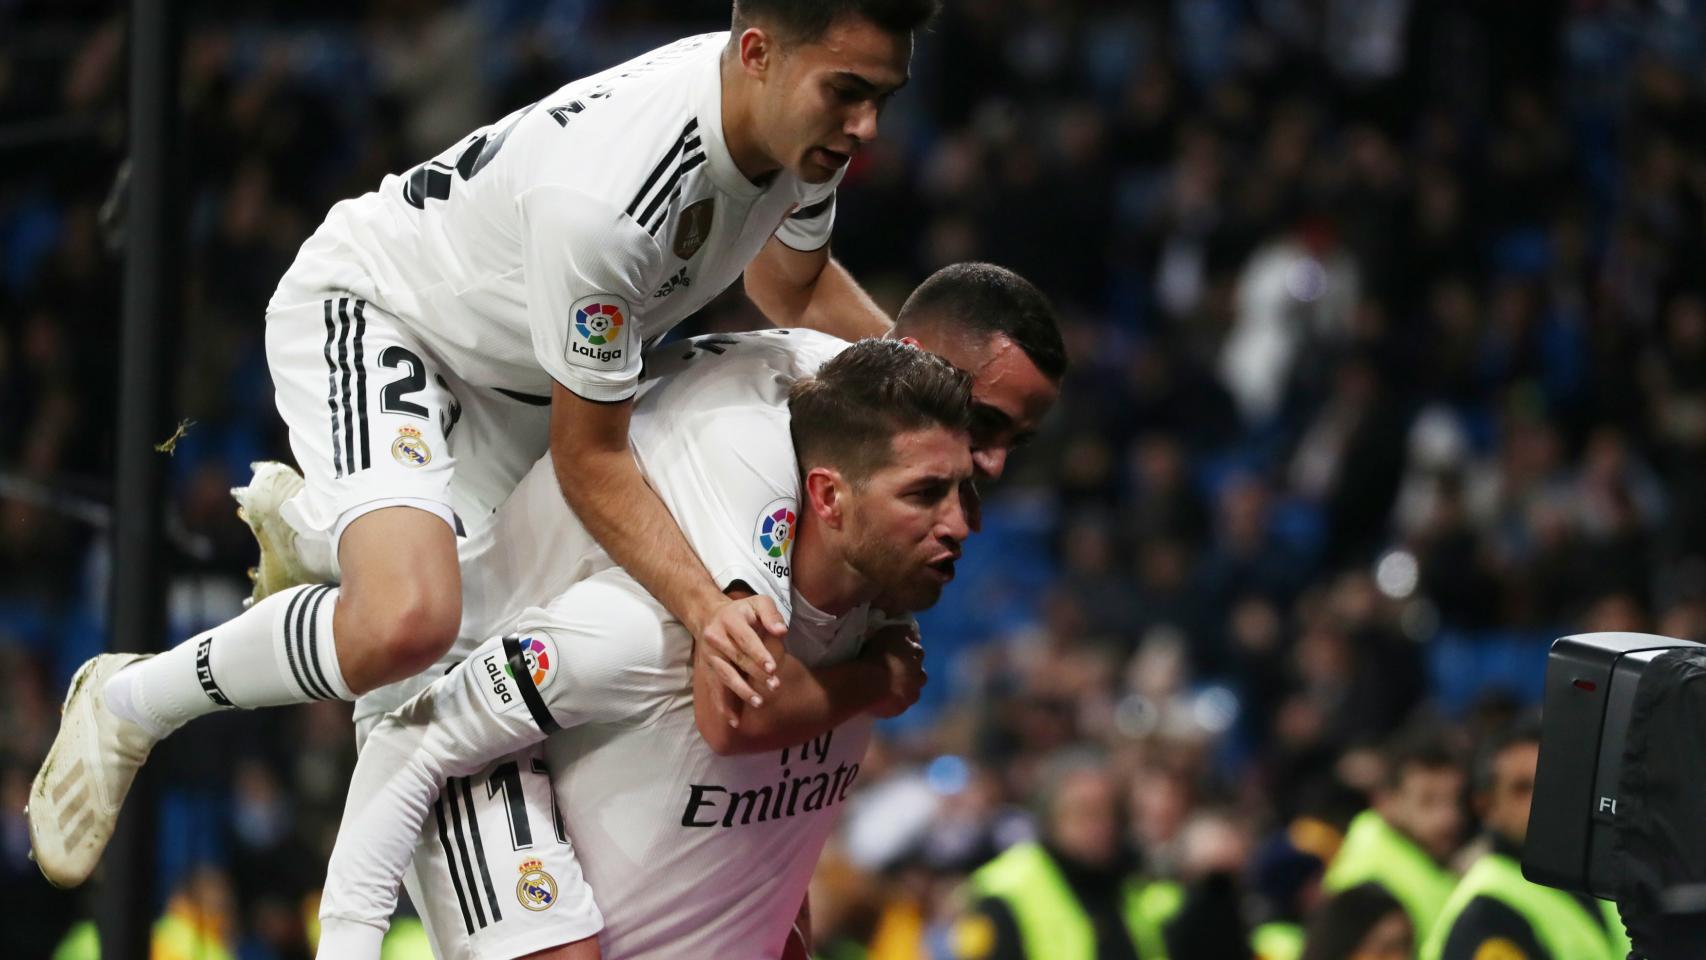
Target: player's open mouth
pixel 831 158
pixel 943 568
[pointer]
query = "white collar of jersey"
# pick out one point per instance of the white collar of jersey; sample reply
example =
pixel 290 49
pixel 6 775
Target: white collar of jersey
pixel 813 633
pixel 803 608
pixel 709 107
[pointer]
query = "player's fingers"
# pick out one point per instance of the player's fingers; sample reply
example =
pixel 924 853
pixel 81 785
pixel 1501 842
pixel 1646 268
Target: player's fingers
pixel 734 682
pixel 730 641
pixel 772 618
pixel 722 699
pixel 750 651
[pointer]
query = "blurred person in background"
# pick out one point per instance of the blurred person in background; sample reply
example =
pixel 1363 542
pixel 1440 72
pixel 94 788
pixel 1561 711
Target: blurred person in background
pixel 1285 877
pixel 1495 911
pixel 1078 892
pixel 200 923
pixel 1403 841
pixel 1363 922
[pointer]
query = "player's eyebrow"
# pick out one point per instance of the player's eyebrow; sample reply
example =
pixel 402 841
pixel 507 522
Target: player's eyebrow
pixel 867 86
pixel 932 479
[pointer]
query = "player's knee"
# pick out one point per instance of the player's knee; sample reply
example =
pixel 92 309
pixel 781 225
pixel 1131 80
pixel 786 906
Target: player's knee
pixel 413 630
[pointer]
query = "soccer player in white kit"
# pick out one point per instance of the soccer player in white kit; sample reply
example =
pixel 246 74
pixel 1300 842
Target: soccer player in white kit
pixel 692 853
pixel 433 338
pixel 984 318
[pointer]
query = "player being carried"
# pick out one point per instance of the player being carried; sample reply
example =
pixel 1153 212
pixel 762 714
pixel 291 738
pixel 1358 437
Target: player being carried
pixel 435 337
pixel 651 804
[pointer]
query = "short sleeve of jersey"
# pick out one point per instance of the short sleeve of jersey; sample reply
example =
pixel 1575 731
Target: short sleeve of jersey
pixel 585 265
pixel 734 488
pixel 808 227
pixel 604 651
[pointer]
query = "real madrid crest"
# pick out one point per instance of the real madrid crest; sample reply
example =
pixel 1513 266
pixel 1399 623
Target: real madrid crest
pixel 693 228
pixel 410 449
pixel 536 889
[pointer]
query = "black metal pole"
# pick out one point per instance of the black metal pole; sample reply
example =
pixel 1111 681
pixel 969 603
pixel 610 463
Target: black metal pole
pixel 152 293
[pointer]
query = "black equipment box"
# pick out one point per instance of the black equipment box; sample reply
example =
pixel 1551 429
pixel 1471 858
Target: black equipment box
pixel 1591 680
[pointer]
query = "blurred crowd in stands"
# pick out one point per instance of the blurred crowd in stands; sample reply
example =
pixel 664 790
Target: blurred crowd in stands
pixel 1389 367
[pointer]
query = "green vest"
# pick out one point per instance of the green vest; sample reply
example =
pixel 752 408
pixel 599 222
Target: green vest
pixel 171 938
pixel 1557 919
pixel 1277 941
pixel 178 939
pixel 82 942
pixel 1374 851
pixel 406 940
pixel 1052 924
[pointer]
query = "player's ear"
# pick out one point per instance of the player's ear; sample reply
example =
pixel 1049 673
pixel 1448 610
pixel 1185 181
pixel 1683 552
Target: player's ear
pixel 912 342
pixel 826 495
pixel 757 51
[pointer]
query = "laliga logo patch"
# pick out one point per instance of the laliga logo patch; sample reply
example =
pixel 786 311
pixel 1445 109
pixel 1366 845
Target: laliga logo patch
pixel 409 449
pixel 536 889
pixel 598 331
pixel 773 537
pixel 538 656
pixel 598 323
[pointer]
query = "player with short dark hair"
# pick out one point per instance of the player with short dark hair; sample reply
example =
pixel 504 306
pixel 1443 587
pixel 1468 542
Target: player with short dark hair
pixel 824 521
pixel 718 404
pixel 998 326
pixel 435 337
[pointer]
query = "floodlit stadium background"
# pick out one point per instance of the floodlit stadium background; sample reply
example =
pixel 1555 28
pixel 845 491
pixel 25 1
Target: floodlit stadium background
pixel 1390 366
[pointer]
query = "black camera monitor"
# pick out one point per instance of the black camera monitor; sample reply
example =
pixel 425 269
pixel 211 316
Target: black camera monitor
pixel 1591 680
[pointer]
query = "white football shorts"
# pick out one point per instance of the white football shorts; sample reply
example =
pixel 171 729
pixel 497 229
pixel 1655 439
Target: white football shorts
pixel 376 418
pixel 494 875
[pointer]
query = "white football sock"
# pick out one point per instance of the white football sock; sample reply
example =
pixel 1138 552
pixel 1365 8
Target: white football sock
pixel 278 651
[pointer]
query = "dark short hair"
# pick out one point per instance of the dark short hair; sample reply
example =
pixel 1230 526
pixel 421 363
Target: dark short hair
pixel 1418 749
pixel 1523 730
pixel 804 21
pixel 987 300
pixel 848 414
pixel 1341 922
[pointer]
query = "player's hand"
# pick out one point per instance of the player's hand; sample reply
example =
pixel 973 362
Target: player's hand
pixel 731 644
pixel 898 650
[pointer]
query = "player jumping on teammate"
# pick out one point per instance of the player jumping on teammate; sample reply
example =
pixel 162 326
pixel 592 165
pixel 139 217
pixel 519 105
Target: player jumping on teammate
pixel 433 338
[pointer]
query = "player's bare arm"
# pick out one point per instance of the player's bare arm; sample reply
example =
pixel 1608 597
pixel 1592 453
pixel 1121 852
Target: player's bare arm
pixel 812 289
pixel 884 679
pixel 604 487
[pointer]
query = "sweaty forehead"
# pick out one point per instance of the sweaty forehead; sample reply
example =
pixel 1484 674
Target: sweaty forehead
pixel 930 452
pixel 1003 377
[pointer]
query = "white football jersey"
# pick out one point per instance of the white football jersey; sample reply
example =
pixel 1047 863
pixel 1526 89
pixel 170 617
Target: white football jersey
pixel 606 666
pixel 710 434
pixel 559 241
pixel 691 854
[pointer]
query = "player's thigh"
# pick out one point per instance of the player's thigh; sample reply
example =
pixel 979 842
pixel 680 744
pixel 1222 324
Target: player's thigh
pixel 494 875
pixel 367 410
pixel 496 440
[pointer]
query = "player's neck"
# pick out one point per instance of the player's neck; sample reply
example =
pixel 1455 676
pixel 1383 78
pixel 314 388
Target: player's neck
pixel 738 128
pixel 822 577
